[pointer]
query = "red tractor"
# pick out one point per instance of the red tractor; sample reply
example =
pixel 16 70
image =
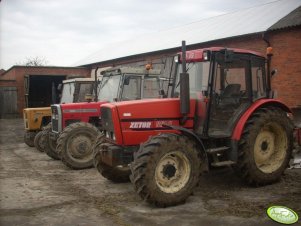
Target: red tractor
pixel 225 116
pixel 76 126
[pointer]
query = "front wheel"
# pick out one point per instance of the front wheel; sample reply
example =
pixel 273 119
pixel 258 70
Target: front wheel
pixel 265 147
pixel 117 174
pixel 75 145
pixel 49 144
pixel 38 142
pixel 166 169
pixel 29 138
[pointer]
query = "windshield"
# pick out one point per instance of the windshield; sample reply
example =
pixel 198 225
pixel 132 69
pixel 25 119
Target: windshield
pixel 131 88
pixel 198 77
pixel 67 92
pixel 109 88
pixel 138 87
pixel 151 88
pixel 84 89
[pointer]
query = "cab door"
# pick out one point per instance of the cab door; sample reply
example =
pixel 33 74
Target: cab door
pixel 237 83
pixel 230 95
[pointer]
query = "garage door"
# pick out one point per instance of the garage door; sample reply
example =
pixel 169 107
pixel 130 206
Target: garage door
pixel 8 102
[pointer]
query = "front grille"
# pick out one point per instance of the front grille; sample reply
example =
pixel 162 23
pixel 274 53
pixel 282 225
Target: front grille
pixel 25 117
pixel 55 118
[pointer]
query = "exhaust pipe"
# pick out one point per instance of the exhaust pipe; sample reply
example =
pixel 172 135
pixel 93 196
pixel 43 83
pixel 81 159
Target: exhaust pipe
pixel 184 85
pixel 96 85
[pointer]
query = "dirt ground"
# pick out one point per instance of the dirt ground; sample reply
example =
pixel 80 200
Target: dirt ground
pixel 36 190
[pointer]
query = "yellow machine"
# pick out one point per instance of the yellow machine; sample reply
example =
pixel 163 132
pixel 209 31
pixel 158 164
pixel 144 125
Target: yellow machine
pixel 34 120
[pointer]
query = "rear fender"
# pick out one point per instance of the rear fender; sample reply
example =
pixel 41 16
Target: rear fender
pixel 263 103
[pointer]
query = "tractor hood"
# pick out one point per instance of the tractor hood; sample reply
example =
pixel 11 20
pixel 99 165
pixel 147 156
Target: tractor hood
pixel 83 107
pixel 134 121
pixel 150 109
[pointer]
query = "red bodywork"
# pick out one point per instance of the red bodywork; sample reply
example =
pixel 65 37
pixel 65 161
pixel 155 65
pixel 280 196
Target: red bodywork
pixel 147 117
pixel 138 120
pixel 81 111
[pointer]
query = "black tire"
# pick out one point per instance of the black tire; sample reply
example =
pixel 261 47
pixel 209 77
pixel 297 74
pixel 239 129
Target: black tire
pixel 38 142
pixel 49 144
pixel 114 174
pixel 265 147
pixel 75 145
pixel 148 169
pixel 29 138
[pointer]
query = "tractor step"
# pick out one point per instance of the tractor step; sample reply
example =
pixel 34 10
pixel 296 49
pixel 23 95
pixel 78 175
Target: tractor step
pixel 217 150
pixel 224 163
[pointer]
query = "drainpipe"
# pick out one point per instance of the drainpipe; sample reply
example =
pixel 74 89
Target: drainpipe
pixel 96 84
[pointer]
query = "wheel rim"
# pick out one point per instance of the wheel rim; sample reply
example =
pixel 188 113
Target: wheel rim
pixel 79 146
pixel 172 172
pixel 270 148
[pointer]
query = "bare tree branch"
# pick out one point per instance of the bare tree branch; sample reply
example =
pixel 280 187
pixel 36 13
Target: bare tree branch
pixel 34 61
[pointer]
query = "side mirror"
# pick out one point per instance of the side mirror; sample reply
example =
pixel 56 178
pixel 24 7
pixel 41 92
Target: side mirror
pixel 205 93
pixel 162 93
pixel 126 81
pixel 274 72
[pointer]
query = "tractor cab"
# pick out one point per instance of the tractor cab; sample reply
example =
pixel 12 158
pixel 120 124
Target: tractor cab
pixel 126 83
pixel 224 82
pixel 74 90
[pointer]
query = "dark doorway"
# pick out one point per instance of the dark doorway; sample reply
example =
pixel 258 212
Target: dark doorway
pixel 39 89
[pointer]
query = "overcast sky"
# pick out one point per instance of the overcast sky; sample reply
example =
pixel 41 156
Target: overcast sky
pixel 66 31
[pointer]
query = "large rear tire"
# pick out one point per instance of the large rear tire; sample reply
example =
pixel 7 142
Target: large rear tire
pixel 265 147
pixel 75 145
pixel 166 169
pixel 49 144
pixel 29 138
pixel 117 174
pixel 38 142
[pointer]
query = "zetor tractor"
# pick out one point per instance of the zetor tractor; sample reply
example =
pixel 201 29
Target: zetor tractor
pixel 225 116
pixel 73 90
pixel 76 126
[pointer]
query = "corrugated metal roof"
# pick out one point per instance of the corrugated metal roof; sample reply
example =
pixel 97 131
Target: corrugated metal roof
pixel 292 19
pixel 248 21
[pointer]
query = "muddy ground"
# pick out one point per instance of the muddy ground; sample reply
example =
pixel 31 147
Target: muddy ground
pixel 36 190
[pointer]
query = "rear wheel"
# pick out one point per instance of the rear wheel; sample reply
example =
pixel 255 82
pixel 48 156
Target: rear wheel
pixel 38 142
pixel 166 169
pixel 265 147
pixel 117 174
pixel 75 145
pixel 49 144
pixel 29 138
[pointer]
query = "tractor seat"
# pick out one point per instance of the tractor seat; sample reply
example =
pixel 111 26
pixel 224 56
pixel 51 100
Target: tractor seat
pixel 230 95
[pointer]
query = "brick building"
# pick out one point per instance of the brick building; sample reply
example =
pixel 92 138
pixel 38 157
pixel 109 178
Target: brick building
pixel 31 86
pixel 276 24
